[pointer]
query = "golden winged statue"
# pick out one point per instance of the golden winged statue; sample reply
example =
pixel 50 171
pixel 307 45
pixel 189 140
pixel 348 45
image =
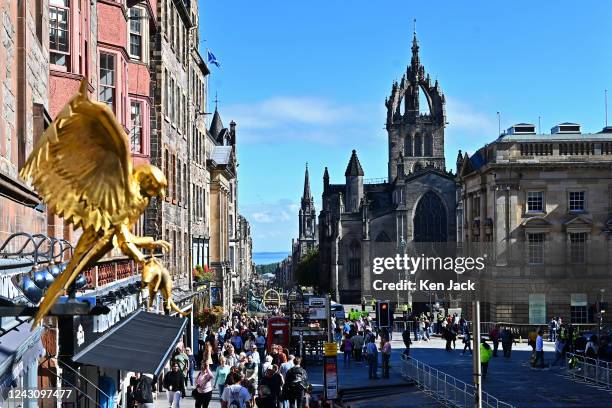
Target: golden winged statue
pixel 82 168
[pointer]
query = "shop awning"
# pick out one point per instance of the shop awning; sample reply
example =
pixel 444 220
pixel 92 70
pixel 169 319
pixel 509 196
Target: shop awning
pixel 142 343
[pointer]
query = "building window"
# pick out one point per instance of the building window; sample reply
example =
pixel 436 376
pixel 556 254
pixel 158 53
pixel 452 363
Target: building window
pixel 418 145
pixel 136 130
pixel 59 32
pixel 578 247
pixel 576 201
pixel 107 79
pixel 535 201
pixel 408 146
pixel 537 308
pixel 171 99
pixel 535 248
pixel 476 207
pixel 136 15
pixel 578 308
pixel 354 259
pixel 428 145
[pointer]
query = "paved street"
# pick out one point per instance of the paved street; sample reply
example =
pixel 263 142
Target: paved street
pixel 508 380
pixel 513 381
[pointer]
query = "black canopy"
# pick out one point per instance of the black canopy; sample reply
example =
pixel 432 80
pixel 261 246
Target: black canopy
pixel 142 343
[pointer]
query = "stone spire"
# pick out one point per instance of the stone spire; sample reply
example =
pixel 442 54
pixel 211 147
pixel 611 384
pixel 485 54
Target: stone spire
pixel 354 167
pixel 415 49
pixel 307 194
pixel 325 180
pixel 216 126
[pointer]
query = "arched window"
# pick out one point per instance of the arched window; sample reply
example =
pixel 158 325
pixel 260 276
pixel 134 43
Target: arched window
pixel 354 258
pixel 430 223
pixel 418 145
pixel 408 146
pixel 428 145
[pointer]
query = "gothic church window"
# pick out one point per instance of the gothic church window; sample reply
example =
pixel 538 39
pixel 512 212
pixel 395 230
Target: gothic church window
pixel 430 220
pixel 354 256
pixel 408 146
pixel 428 145
pixel 418 145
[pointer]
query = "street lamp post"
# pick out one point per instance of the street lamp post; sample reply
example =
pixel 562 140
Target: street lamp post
pixel 600 323
pixel 402 250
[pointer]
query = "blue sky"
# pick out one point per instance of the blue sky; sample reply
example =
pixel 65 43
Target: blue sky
pixel 306 82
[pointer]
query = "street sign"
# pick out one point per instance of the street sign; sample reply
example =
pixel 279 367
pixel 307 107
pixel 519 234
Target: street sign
pixel 330 349
pixel 330 377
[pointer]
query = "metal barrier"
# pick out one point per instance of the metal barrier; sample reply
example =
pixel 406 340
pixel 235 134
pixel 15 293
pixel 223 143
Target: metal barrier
pixel 445 388
pixel 400 326
pixel 591 370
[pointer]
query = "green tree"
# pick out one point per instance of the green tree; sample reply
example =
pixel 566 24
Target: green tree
pixel 307 270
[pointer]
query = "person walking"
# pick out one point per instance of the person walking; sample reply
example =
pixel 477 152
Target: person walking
pixel 357 341
pixel 296 384
pixel 174 383
pixel 559 353
pixel 506 341
pixel 407 341
pixel 386 356
pixel 494 336
pixel 485 357
pixel 539 350
pixel 202 392
pixel 143 391
pixel 347 346
pixel 192 365
pixel 235 395
pixel 467 341
pixel 221 374
pixel 372 356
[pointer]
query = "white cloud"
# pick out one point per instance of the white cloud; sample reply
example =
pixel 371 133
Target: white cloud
pixel 293 118
pixel 273 224
pixel 464 119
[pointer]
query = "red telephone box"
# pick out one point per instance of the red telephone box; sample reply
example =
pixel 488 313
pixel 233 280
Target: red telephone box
pixel 278 333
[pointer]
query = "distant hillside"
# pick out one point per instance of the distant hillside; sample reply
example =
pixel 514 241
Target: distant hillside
pixel 268 268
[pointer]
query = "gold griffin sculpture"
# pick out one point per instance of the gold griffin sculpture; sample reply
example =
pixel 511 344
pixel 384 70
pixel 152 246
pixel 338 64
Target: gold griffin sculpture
pixel 82 168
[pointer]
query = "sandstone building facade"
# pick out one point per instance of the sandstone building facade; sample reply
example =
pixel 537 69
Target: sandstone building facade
pixel 540 206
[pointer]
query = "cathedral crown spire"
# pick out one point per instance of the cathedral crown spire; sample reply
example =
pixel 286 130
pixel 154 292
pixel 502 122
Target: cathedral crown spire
pixel 415 48
pixel 307 194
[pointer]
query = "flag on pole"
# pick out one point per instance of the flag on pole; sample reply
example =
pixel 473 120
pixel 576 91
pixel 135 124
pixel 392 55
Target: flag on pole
pixel 212 59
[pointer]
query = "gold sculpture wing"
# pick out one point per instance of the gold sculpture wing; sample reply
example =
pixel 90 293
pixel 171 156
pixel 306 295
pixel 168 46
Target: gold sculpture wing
pixel 81 165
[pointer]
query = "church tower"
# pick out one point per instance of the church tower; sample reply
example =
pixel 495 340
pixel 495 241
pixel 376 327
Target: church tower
pixel 307 219
pixel 416 119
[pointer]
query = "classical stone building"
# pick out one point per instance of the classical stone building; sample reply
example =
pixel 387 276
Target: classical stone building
pixel 540 206
pixel 200 146
pixel 244 264
pixel 168 219
pixel 416 203
pixel 222 166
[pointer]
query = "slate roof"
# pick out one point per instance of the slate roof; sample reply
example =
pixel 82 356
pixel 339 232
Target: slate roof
pixel 221 154
pixel 216 126
pixel 354 167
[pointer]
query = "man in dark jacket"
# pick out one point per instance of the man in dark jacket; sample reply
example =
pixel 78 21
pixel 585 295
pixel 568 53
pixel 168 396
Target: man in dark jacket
pixel 174 383
pixel 142 390
pixel 407 341
pixel 296 383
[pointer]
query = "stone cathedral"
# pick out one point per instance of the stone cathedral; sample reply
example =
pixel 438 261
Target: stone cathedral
pixel 415 204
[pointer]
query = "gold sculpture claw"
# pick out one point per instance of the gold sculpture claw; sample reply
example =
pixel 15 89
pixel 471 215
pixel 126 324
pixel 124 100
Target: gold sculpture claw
pixel 82 168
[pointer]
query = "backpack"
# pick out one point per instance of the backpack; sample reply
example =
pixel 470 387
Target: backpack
pixel 235 398
pixel 142 391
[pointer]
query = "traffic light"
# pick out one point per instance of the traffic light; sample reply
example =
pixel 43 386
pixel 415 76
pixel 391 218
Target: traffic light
pixel 383 314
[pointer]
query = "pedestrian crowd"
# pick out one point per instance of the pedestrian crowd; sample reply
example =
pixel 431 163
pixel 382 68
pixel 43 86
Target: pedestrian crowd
pixel 234 360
